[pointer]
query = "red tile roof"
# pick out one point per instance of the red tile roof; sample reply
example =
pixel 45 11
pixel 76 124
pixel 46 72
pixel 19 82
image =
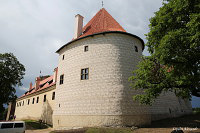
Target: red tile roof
pixel 43 85
pixel 101 22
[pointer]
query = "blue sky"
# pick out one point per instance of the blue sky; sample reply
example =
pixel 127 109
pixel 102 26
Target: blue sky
pixel 34 29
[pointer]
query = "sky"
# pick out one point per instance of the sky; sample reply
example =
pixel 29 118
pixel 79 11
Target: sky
pixel 34 29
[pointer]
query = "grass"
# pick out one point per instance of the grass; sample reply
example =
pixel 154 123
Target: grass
pixel 34 125
pixel 196 110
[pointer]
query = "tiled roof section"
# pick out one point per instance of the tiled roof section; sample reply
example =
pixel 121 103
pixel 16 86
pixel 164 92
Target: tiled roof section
pixel 101 22
pixel 42 85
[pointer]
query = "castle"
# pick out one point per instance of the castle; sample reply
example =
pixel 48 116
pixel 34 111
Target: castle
pixel 90 87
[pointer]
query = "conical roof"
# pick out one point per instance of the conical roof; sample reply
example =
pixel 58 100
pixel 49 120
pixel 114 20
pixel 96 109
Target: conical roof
pixel 101 22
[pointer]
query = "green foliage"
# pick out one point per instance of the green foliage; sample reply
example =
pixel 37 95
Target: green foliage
pixel 196 110
pixel 11 71
pixel 174 45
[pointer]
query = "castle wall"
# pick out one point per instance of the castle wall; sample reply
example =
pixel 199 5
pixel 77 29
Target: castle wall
pixel 168 105
pixel 105 99
pixel 41 110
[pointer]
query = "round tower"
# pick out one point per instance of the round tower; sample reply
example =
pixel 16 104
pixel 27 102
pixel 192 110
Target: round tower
pixel 93 72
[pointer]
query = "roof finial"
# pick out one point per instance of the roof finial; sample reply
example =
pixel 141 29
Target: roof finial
pixel 102 4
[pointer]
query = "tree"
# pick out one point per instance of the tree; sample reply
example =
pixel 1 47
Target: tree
pixel 174 46
pixel 11 74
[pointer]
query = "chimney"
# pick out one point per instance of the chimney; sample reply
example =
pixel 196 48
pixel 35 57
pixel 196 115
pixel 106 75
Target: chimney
pixel 37 83
pixel 30 86
pixel 78 25
pixel 55 74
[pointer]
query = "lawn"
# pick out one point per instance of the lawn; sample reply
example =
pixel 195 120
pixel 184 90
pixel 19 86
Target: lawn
pixel 34 125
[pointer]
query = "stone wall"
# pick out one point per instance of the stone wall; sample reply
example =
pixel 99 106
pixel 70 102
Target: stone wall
pixel 168 105
pixel 41 110
pixel 105 99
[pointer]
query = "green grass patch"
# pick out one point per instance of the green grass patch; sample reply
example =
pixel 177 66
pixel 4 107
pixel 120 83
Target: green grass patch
pixel 196 110
pixel 33 125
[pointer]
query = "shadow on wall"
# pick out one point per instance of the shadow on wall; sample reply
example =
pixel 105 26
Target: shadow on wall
pixel 47 113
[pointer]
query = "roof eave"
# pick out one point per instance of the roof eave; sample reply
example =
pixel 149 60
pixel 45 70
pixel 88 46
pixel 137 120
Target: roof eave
pixel 105 32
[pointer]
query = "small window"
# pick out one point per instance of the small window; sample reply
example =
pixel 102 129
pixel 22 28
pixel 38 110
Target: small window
pixel 19 103
pixel 61 79
pixel 53 95
pixel 18 125
pixel 85 48
pixel 45 98
pixel 23 103
pixel 136 49
pixel 28 101
pixel 33 100
pixel 63 57
pixel 85 74
pixel 59 105
pixel 6 125
pixel 37 100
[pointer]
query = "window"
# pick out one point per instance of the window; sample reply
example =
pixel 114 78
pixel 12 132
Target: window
pixel 28 101
pixel 37 100
pixel 53 95
pixel 6 125
pixel 18 125
pixel 23 103
pixel 136 49
pixel 19 103
pixel 45 98
pixel 33 100
pixel 85 74
pixel 63 57
pixel 61 79
pixel 85 48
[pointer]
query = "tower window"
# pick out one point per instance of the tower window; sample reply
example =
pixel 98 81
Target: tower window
pixel 61 79
pixel 45 98
pixel 37 100
pixel 23 103
pixel 63 57
pixel 85 74
pixel 136 49
pixel 85 48
pixel 53 95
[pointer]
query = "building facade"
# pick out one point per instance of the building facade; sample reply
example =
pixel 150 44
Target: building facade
pixel 38 102
pixel 92 87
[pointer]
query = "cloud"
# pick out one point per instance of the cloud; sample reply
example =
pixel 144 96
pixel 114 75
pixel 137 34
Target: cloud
pixel 24 89
pixel 33 30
